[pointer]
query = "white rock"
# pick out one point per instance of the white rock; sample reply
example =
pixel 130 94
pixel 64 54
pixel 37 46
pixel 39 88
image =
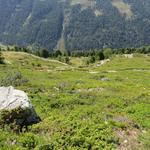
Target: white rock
pixel 102 62
pixel 11 99
pixel 128 55
pixel 125 141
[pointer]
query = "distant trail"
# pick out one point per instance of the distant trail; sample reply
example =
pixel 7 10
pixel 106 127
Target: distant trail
pixel 44 59
pixel 37 57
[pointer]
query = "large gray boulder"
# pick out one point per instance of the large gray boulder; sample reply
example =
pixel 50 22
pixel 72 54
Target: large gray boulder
pixel 15 107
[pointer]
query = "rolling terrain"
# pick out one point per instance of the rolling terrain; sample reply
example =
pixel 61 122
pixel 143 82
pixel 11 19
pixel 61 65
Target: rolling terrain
pixel 81 107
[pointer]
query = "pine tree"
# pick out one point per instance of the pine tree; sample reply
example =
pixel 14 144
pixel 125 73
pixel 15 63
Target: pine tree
pixel 92 59
pixel 45 53
pixel 57 53
pixel 1 58
pixel 101 56
pixel 67 60
pixel 107 52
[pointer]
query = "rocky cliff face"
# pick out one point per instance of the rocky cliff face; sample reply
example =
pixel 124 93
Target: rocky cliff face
pixel 75 24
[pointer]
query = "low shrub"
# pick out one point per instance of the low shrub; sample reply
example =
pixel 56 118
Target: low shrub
pixel 47 147
pixel 13 79
pixel 28 141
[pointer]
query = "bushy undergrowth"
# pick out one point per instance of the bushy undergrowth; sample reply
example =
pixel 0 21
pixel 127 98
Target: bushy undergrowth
pixel 14 78
pixel 79 108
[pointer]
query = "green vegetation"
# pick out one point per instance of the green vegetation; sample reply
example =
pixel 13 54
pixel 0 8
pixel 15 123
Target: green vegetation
pixel 107 53
pixel 1 58
pixel 117 25
pixel 14 78
pixel 81 106
pixel 75 24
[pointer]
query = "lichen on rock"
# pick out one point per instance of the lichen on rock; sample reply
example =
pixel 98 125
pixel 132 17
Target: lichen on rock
pixel 15 107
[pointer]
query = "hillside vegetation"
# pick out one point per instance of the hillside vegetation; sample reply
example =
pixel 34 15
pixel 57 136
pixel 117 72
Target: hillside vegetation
pixel 82 107
pixel 75 24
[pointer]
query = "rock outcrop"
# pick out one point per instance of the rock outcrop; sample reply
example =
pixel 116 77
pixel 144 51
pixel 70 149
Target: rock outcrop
pixel 15 107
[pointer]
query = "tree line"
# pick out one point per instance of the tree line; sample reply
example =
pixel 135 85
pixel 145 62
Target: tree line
pixel 93 55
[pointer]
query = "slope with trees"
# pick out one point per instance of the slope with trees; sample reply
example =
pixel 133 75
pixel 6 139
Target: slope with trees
pixel 76 25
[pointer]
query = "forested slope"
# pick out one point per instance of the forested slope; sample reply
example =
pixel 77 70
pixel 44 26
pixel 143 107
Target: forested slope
pixel 77 25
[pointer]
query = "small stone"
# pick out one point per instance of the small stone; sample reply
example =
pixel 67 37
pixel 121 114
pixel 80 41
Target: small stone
pixel 105 79
pixel 125 141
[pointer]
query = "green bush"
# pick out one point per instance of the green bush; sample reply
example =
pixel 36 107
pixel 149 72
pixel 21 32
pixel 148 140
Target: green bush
pixel 56 104
pixel 101 56
pixel 47 147
pixel 1 58
pixel 13 79
pixel 44 53
pixel 92 59
pixel 108 52
pixel 67 60
pixel 28 141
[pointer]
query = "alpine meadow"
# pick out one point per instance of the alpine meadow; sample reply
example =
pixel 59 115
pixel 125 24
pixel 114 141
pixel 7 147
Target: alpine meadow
pixel 74 74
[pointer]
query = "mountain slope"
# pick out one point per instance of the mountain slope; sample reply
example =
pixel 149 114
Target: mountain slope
pixel 29 22
pixel 75 24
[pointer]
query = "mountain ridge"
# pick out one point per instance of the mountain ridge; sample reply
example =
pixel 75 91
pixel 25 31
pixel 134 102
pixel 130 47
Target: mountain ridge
pixel 75 25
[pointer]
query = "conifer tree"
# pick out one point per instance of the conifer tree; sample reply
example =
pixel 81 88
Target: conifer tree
pixel 1 58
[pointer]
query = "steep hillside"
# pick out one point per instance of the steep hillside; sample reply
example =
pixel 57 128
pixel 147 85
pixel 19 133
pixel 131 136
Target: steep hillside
pixel 30 22
pixel 75 24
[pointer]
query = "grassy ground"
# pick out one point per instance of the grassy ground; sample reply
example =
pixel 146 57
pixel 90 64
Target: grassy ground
pixel 83 107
